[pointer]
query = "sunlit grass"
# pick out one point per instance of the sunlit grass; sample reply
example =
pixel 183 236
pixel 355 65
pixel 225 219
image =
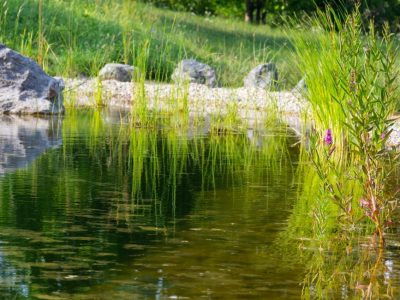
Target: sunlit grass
pixel 72 38
pixel 353 91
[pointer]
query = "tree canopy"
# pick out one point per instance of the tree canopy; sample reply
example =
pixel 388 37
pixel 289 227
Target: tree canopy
pixel 273 11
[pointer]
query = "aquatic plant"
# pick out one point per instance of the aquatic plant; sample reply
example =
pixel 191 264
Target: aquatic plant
pixel 333 241
pixel 353 91
pixel 98 93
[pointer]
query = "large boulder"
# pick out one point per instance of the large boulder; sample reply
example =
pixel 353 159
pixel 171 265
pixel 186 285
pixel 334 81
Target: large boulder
pixel 263 76
pixel 117 72
pixel 192 71
pixel 25 88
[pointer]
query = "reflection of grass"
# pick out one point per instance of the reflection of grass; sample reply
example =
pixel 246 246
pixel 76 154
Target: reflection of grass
pixel 346 267
pixel 338 254
pixel 156 160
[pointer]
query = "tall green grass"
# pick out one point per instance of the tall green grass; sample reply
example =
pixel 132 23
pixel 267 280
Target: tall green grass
pixel 353 91
pixel 73 38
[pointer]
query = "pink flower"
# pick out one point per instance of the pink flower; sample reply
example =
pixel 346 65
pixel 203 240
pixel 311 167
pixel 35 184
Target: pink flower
pixel 328 137
pixel 365 204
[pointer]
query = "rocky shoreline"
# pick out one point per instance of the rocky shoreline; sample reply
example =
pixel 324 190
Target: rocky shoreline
pixel 26 89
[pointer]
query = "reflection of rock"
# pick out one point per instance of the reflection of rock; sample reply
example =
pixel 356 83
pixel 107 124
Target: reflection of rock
pixel 22 140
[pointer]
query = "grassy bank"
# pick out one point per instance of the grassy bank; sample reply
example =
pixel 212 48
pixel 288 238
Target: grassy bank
pixel 73 38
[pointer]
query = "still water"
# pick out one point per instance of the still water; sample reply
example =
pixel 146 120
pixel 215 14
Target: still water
pixel 91 208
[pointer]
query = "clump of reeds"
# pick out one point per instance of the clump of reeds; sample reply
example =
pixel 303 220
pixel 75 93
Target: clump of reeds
pixel 351 77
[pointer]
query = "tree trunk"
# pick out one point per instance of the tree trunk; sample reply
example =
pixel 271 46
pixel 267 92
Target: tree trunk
pixel 255 11
pixel 260 15
pixel 249 11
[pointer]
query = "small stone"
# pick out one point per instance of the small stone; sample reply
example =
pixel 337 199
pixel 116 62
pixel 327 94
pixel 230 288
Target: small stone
pixel 61 82
pixel 118 72
pixel 301 87
pixel 192 71
pixel 263 76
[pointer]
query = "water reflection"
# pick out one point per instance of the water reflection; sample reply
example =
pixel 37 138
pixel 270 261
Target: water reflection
pixel 340 260
pixel 349 269
pixel 175 212
pixel 23 139
pixel 118 211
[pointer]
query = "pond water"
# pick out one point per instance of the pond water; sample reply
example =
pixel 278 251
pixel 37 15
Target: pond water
pixel 91 208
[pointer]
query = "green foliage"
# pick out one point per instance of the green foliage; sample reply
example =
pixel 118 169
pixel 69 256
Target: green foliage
pixel 368 78
pixel 204 7
pixel 378 10
pixel 353 90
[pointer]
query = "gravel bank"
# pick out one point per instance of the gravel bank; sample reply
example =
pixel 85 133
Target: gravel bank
pixel 251 103
pixel 201 99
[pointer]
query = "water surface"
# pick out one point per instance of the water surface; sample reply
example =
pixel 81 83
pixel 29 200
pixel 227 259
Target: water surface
pixel 95 209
